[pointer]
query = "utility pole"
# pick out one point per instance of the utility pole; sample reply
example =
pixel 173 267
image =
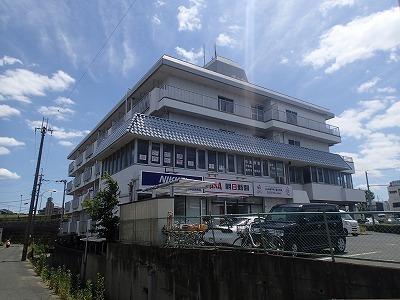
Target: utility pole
pixel 37 194
pixel 369 191
pixel 64 181
pixel 20 206
pixel 43 130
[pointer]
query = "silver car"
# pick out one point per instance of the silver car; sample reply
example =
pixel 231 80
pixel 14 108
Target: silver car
pixel 226 230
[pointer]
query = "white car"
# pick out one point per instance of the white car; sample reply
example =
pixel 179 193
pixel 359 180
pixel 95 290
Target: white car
pixel 227 230
pixel 350 225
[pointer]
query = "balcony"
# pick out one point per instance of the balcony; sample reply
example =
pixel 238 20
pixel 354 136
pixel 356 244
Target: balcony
pixel 70 185
pixel 67 207
pixel 255 112
pixel 75 203
pixel 78 180
pixel 87 175
pixel 327 192
pixel 71 168
pixel 294 119
pixel 89 151
pixel 79 160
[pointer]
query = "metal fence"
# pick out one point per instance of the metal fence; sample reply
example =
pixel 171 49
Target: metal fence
pixel 371 236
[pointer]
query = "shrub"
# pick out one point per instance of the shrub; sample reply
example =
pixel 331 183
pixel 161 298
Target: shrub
pixel 386 228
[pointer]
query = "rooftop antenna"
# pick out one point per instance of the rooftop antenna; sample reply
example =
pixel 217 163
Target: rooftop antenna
pixel 215 50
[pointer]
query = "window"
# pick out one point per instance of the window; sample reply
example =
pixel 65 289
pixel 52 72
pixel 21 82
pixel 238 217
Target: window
pixel 326 176
pixel 191 158
pixel 292 174
pixel 240 164
pixel 168 155
pixel 349 181
pixel 248 166
pixel 320 175
pixel 396 204
pixel 179 156
pixel 392 192
pixel 212 160
pixel 132 156
pixel 143 152
pixel 314 177
pixel 257 112
pixel 231 163
pixel 265 168
pixel 294 143
pixel 225 104
pixel 221 162
pixel 125 156
pixel 257 166
pixel 279 169
pixel 201 156
pixel 291 117
pixel 272 168
pixel 155 153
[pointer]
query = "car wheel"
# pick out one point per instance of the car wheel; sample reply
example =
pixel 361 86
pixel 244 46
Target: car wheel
pixel 346 232
pixel 340 245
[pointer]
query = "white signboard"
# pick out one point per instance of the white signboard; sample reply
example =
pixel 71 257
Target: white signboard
pixel 273 190
pixel 230 187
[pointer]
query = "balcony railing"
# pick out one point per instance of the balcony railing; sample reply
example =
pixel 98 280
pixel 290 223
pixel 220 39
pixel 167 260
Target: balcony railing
pixel 89 151
pixel 71 167
pixel 79 160
pixel 70 185
pixel 67 206
pixel 87 174
pixel 250 112
pixel 274 114
pixel 75 203
pixel 77 180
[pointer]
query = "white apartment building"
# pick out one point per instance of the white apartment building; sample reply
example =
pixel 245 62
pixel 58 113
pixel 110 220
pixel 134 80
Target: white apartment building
pixel 394 195
pixel 258 147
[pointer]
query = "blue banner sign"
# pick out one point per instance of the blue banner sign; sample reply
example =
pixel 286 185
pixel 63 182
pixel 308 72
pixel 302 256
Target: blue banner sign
pixel 154 178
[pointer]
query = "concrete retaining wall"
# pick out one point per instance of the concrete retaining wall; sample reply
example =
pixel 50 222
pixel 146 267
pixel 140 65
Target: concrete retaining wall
pixel 140 272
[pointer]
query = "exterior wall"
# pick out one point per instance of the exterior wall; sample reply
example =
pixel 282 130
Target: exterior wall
pixel 332 193
pixel 394 195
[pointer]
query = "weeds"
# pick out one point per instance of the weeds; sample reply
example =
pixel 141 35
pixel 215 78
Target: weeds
pixel 63 282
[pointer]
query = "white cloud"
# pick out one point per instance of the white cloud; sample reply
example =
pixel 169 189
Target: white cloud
pixel 159 3
pixel 329 4
pixel 389 119
pixel 189 17
pixel 6 174
pixel 64 101
pixel 395 57
pixel 284 61
pixel 4 151
pixel 129 57
pixel 66 143
pixel 60 113
pixel 224 39
pixel 8 111
pixel 59 132
pixel 359 39
pixel 387 89
pixel 10 142
pixel 366 86
pixel 189 55
pixel 8 60
pixel 235 28
pixel 156 20
pixel 20 84
pixel 352 121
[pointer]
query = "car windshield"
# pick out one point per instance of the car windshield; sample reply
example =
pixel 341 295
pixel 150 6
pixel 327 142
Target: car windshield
pixel 229 222
pixel 283 217
pixel 347 217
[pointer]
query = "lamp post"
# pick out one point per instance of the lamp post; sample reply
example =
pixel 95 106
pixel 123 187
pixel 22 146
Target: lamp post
pixel 64 181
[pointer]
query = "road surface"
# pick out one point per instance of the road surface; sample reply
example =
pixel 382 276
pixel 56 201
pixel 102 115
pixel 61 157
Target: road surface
pixel 18 281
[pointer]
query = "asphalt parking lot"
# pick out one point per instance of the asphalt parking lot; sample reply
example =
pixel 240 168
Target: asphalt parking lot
pixel 381 247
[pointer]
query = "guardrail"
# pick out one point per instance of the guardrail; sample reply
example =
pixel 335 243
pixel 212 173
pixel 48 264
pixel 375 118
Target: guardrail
pixel 368 236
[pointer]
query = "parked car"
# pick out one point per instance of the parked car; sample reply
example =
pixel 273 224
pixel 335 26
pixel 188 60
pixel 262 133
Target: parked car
pixel 350 226
pixel 369 221
pixel 226 230
pixel 306 232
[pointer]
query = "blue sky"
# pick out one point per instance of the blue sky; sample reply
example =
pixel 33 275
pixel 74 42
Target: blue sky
pixel 341 54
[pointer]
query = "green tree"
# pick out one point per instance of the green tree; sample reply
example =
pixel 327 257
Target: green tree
pixel 101 209
pixel 369 196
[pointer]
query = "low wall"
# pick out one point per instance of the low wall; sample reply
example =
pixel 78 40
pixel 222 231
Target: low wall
pixel 141 272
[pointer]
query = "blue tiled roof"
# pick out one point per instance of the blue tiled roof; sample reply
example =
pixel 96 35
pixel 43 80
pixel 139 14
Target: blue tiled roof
pixel 178 132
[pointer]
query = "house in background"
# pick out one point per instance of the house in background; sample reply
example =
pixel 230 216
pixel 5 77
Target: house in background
pixel 256 147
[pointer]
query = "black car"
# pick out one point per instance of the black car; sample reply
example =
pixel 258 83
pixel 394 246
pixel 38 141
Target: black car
pixel 302 227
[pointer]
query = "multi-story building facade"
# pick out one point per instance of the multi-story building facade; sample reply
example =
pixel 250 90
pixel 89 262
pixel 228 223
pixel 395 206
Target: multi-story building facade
pixel 258 147
pixel 394 195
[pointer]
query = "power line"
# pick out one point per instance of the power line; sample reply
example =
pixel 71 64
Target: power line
pixel 101 49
